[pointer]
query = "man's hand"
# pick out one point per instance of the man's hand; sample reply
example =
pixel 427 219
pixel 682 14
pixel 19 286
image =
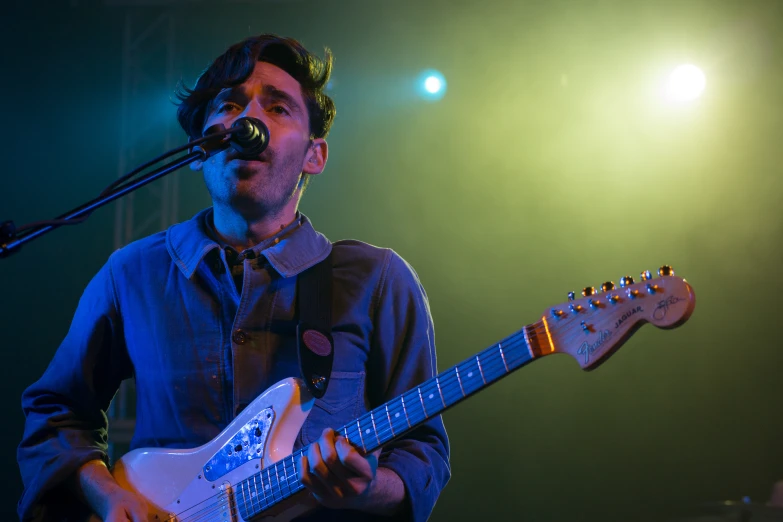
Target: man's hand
pixel 124 506
pixel 336 474
pixel 97 488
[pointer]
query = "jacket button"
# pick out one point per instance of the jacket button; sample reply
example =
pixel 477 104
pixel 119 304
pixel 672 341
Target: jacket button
pixel 240 337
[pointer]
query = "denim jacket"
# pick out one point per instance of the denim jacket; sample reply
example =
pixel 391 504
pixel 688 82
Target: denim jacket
pixel 204 330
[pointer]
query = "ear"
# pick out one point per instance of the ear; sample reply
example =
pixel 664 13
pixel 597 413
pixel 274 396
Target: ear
pixel 315 159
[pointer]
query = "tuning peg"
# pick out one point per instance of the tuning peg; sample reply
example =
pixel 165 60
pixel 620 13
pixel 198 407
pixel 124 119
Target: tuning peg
pixel 625 281
pixel 588 291
pixel 608 286
pixel 646 275
pixel 665 270
pixel 571 296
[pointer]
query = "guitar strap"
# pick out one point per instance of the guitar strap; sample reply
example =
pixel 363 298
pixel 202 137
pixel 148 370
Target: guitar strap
pixel 314 341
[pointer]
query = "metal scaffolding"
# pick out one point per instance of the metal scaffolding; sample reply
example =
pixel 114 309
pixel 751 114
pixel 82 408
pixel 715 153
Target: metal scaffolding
pixel 148 48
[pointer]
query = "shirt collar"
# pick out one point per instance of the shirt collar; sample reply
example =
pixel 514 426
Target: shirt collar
pixel 292 250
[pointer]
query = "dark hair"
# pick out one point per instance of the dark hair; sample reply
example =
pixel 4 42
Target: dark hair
pixel 235 66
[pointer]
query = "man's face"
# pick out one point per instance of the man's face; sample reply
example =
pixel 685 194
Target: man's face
pixel 264 186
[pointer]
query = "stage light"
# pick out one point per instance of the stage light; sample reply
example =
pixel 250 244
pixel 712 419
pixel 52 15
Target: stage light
pixel 686 83
pixel 432 85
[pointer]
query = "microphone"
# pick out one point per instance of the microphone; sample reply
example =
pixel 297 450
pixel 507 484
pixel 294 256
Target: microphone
pixel 249 138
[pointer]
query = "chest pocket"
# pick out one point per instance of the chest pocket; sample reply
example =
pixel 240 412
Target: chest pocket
pixel 342 403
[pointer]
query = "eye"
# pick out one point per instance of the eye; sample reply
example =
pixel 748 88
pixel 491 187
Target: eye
pixel 279 109
pixel 225 107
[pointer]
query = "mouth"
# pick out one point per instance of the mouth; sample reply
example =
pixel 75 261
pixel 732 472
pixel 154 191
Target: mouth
pixel 233 155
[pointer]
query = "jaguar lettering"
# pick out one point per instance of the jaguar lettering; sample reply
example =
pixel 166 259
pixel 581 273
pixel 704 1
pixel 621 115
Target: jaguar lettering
pixel 626 315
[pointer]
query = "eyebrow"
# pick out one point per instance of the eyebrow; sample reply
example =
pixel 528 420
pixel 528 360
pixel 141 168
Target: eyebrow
pixel 276 94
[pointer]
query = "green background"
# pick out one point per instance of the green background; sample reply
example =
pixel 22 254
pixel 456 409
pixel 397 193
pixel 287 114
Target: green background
pixel 552 163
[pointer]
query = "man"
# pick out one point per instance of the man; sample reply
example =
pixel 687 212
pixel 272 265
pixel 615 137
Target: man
pixel 202 317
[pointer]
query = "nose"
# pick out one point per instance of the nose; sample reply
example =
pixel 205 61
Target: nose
pixel 253 110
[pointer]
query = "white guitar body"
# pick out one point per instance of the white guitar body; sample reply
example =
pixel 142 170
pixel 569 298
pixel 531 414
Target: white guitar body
pixel 250 469
pixel 175 484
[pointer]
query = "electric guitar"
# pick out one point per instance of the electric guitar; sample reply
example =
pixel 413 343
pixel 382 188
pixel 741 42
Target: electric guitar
pixel 248 471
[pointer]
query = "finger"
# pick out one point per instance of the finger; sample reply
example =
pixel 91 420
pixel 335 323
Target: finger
pixel 353 460
pixel 320 472
pixel 308 480
pixel 338 472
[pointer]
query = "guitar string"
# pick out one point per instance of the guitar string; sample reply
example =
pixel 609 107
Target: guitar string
pixel 291 475
pixel 447 381
pixel 450 382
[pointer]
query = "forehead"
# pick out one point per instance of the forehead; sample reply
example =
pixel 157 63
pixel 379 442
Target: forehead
pixel 267 75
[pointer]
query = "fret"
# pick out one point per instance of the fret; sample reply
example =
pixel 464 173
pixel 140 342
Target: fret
pixel 388 417
pixel 418 389
pixel 470 376
pixel 285 478
pixel 495 366
pixel 402 401
pixel 432 397
pixel 353 434
pixel 255 484
pixel 361 437
pixel 374 428
pixel 243 506
pixel 461 389
pixel 437 383
pixel 367 425
pixel 478 361
pixel 416 412
pixel 502 356
pixel 274 487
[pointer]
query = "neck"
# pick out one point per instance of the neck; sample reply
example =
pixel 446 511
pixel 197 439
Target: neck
pixel 241 232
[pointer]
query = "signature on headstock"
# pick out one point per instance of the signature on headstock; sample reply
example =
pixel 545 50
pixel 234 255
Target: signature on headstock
pixel 663 306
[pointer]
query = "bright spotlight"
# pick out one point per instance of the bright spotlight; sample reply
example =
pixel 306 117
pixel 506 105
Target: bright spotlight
pixel 432 85
pixel 686 83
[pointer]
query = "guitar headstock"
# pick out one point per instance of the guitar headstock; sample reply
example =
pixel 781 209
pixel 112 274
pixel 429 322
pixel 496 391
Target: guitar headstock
pixel 592 327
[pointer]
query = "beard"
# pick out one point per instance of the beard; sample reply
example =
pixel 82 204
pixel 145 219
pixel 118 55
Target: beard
pixel 254 189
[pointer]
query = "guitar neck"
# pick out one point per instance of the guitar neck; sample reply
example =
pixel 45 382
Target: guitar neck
pixel 589 329
pixel 385 423
pixel 432 397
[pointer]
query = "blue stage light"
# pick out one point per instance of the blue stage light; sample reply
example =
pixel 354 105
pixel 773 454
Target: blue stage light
pixel 432 85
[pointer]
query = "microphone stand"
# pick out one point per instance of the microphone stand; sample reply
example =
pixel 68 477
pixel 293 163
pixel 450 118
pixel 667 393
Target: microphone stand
pixel 203 148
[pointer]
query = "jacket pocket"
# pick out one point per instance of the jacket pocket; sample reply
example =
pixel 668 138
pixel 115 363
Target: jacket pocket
pixel 339 405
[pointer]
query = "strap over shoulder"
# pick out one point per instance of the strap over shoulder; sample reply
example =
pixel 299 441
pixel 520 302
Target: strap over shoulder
pixel 315 345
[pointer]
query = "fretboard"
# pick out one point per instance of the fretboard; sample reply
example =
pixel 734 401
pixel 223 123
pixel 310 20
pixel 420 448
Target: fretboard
pixel 372 430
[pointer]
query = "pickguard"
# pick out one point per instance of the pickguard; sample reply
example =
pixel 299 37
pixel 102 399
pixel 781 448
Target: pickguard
pixel 247 444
